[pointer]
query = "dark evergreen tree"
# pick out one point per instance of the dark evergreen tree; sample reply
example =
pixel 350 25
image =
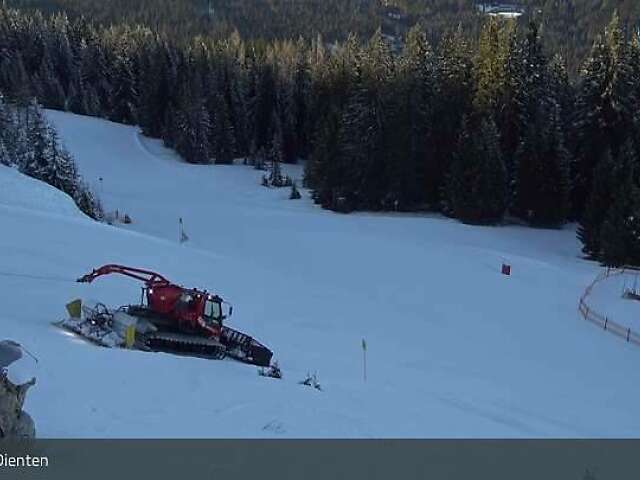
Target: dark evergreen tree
pixel 601 196
pixel 366 132
pixel 453 100
pixel 606 110
pixel 222 138
pixel 301 98
pixel 154 98
pixel 264 105
pixel 60 170
pixel 93 78
pixel 47 85
pixel 5 156
pixel 476 187
pixel 88 203
pixel 561 91
pixel 526 93
pixel 490 65
pixel 322 172
pixel 620 231
pixel 15 82
pixel 542 178
pixel 38 155
pixel 360 150
pixel 276 157
pixel 414 98
pixel 125 93
pixel 295 193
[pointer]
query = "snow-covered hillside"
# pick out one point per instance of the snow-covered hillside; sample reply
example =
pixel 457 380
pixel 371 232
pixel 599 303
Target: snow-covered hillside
pixel 454 348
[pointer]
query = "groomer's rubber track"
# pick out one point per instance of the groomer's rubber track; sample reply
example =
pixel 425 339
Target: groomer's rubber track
pixel 181 344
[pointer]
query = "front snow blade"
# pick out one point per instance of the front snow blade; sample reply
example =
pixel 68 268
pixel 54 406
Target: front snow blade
pixel 244 348
pixel 96 334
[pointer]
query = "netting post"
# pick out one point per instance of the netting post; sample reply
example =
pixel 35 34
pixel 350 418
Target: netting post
pixel 628 333
pixel 606 320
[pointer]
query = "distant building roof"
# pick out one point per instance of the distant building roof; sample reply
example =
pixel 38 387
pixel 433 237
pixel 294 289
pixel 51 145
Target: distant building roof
pixel 509 10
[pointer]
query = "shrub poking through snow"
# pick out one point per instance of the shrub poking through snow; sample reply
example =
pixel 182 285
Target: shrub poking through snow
pixel 276 179
pixel 295 193
pixel 273 371
pixel 311 381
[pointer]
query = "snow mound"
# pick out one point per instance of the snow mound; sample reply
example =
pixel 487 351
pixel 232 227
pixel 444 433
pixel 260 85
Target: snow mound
pixel 20 191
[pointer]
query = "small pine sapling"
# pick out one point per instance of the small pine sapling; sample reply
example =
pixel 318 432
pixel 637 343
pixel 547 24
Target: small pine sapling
pixel 311 381
pixel 295 193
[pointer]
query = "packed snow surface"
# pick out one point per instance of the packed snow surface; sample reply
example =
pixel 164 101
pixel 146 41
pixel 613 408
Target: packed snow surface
pixel 454 348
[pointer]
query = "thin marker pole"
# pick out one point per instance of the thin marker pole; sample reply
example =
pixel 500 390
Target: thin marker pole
pixel 364 358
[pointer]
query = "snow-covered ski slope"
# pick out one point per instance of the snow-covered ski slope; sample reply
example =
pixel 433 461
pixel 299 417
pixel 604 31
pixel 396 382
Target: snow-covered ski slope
pixel 454 348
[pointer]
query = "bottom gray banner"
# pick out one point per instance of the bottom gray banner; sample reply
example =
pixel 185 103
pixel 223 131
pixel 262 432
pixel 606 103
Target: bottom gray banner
pixel 321 459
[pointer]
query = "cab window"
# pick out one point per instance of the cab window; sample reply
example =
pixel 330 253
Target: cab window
pixel 212 310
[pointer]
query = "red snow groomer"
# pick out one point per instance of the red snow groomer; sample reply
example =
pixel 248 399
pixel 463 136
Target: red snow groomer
pixel 169 318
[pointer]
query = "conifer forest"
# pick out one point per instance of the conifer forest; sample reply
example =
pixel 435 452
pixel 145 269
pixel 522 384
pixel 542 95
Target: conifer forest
pixel 533 120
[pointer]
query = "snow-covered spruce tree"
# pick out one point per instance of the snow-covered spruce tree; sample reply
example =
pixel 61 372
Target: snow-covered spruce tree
pixel 490 65
pixel 87 202
pixel 560 89
pixel 47 86
pixel 327 168
pixel 193 131
pixel 606 107
pixel 38 153
pixel 452 101
pixel 358 145
pixel 15 82
pixel 237 93
pixel 200 135
pixel 16 139
pixel 476 186
pixel 275 157
pixel 366 136
pixel 59 170
pixel 542 182
pixel 94 78
pixel 414 98
pixel 125 92
pixel 525 93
